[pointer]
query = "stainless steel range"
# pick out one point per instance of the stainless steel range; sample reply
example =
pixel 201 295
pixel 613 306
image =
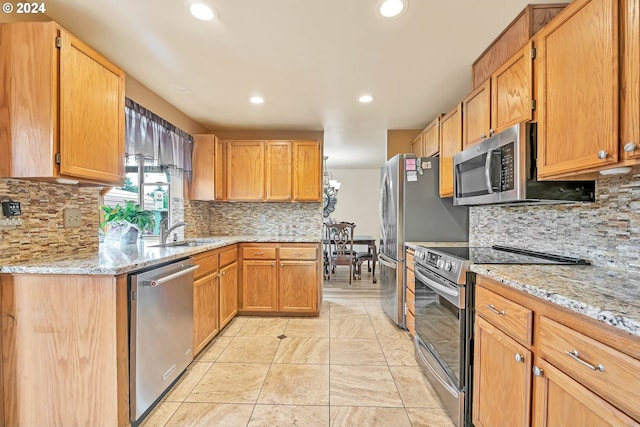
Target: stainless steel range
pixel 444 312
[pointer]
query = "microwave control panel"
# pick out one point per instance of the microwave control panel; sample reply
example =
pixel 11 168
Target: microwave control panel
pixel 507 174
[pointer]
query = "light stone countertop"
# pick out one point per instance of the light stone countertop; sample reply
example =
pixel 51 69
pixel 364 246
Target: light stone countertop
pixel 113 260
pixel 412 245
pixel 609 295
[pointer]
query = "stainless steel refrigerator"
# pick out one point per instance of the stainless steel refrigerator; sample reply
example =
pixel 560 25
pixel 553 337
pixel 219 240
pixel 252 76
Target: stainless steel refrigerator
pixel 411 210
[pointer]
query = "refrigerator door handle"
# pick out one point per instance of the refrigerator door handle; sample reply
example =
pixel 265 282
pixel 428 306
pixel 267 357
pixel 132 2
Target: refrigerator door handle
pixel 386 261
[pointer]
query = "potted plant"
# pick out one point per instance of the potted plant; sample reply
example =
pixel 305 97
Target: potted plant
pixel 130 219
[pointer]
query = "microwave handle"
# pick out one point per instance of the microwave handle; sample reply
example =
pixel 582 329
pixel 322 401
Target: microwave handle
pixel 487 171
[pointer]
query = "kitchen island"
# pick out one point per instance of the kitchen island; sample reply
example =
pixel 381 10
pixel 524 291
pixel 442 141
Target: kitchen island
pixel 65 336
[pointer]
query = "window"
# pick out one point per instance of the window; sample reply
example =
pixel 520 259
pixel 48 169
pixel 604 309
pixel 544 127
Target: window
pixel 146 184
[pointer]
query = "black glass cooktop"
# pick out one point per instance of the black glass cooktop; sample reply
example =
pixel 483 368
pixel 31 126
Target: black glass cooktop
pixel 507 255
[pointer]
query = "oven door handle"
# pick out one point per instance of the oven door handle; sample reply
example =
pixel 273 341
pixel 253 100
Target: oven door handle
pixel 448 290
pixel 441 378
pixel 386 261
pixel 487 171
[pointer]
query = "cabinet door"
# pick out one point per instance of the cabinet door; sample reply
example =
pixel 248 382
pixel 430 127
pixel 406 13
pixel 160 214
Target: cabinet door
pixel 560 401
pixel 477 115
pixel 245 170
pixel 431 138
pixel 577 88
pixel 205 311
pixel 298 286
pixel 511 88
pixel 630 83
pixel 219 169
pixel 202 185
pixel 91 114
pixel 278 170
pixel 450 144
pixel 228 293
pixel 259 286
pixel 416 145
pixel 307 171
pixel 502 379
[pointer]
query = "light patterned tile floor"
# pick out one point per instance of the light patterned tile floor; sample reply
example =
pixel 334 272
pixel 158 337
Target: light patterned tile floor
pixel 349 367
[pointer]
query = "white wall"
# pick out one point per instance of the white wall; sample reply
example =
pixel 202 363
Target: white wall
pixel 359 199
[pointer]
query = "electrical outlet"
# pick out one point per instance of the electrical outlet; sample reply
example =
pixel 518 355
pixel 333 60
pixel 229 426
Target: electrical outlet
pixel 72 217
pixel 8 222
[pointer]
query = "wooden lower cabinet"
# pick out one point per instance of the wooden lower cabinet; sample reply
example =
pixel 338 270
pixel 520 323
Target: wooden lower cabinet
pixel 259 285
pixel 205 311
pixel 228 293
pixel 502 382
pixel 296 294
pixel 561 401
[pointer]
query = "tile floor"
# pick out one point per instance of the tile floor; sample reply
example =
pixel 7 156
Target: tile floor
pixel 349 367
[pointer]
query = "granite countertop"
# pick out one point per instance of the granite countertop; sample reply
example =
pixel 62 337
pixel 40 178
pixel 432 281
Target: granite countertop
pixel 412 245
pixel 609 295
pixel 113 260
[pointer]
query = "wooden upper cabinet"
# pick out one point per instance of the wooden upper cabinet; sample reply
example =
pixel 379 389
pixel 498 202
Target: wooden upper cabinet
pixel 431 138
pixel 207 163
pixel 416 145
pixel 245 170
pixel 576 70
pixel 63 114
pixel 630 83
pixel 477 115
pixel 511 89
pixel 450 144
pixel 307 171
pixel 278 170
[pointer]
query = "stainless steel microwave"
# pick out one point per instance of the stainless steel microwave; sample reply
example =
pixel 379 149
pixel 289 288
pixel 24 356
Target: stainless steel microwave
pixel 502 169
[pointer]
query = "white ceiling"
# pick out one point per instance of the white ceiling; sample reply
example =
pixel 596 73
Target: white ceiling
pixel 310 59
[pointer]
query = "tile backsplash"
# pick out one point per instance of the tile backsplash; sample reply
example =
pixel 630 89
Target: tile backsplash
pixel 606 232
pixel 42 231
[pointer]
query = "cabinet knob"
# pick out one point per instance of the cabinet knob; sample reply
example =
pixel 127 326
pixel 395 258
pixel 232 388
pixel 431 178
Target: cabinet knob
pixel 273 264
pixel 519 358
pixel 491 131
pixel 281 264
pixel 483 136
pixel 630 147
pixel 602 154
pixel 538 372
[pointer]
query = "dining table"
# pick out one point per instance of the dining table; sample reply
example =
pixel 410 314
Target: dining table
pixel 370 242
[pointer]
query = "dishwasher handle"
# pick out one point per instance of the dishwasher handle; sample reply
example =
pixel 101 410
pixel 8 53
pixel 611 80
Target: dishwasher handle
pixel 156 282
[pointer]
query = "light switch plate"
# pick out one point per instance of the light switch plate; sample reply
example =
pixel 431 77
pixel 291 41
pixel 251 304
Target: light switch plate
pixel 72 217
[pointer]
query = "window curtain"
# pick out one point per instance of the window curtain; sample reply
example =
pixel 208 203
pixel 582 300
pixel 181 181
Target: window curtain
pixel 155 139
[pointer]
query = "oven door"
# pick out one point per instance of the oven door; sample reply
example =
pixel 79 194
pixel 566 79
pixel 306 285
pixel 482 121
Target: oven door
pixel 440 338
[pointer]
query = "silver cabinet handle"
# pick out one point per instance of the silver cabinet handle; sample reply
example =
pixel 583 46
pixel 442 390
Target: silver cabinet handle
pixel 258 253
pixel 576 356
pixel 602 154
pixel 630 147
pixel 298 254
pixel 538 372
pixel 519 358
pixel 491 308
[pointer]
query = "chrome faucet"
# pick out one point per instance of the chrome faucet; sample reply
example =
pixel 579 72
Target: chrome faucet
pixel 164 231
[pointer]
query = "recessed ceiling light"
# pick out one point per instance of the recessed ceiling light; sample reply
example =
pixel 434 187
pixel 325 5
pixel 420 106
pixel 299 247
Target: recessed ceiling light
pixel 201 10
pixel 391 8
pixel 256 100
pixel 365 99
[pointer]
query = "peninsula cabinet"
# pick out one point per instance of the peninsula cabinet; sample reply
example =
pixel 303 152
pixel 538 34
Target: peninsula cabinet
pixel 577 79
pixel 539 364
pixel 63 107
pixel 245 170
pixel 280 278
pixel 477 115
pixel 450 144
pixel 307 171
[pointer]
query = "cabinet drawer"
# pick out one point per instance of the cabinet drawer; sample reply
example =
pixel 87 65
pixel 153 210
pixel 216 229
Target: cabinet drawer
pixel 506 315
pixel 581 357
pixel 228 256
pixel 258 253
pixel 208 262
pixel 410 262
pixel 298 253
pixel 411 281
pixel 411 323
pixel 411 301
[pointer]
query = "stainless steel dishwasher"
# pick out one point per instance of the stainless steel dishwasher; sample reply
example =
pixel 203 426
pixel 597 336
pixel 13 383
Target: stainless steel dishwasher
pixel 161 331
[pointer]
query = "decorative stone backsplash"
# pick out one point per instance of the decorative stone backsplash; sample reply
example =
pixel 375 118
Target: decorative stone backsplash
pixel 606 232
pixel 196 213
pixel 42 231
pixel 295 219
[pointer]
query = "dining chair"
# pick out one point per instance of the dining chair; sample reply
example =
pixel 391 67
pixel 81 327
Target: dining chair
pixel 341 248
